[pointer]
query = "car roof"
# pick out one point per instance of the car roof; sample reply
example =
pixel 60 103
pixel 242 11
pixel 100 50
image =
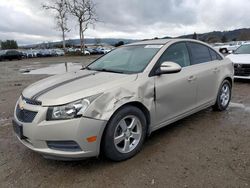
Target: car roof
pixel 160 41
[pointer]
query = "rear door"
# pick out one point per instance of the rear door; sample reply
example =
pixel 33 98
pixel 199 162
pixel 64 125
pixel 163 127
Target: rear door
pixel 206 63
pixel 175 93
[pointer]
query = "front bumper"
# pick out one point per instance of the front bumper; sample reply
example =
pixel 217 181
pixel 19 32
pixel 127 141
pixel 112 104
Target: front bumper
pixel 242 77
pixel 39 132
pixel 241 71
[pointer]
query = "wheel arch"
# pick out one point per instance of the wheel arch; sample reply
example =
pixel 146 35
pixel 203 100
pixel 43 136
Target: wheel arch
pixel 229 79
pixel 138 105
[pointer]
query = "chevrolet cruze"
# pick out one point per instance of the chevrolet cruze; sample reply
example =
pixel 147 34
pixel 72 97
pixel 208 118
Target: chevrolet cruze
pixel 113 104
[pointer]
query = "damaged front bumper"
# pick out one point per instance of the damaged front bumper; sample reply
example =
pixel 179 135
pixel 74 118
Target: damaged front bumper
pixel 63 139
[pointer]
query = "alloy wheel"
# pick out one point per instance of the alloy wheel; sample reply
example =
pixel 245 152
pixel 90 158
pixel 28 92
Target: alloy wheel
pixel 225 95
pixel 128 134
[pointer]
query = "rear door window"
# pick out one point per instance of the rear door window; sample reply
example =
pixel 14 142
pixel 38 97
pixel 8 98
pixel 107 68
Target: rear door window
pixel 214 55
pixel 199 53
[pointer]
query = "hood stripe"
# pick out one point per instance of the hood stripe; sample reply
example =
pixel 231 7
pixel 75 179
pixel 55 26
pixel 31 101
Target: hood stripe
pixel 40 93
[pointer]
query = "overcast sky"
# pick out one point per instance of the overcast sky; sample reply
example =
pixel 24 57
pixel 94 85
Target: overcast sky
pixel 26 22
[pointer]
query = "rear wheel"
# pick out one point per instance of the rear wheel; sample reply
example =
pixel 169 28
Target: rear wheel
pixel 224 96
pixel 125 134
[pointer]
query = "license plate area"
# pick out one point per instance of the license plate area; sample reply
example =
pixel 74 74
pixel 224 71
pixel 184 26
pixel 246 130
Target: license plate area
pixel 18 129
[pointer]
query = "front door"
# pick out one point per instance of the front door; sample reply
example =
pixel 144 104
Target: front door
pixel 175 93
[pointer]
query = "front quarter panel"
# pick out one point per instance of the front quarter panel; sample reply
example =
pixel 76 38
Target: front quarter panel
pixel 227 69
pixel 141 90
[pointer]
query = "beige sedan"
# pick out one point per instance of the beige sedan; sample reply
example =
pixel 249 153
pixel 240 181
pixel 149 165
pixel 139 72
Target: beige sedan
pixel 113 104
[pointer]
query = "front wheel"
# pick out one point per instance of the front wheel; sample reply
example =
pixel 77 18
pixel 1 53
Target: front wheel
pixel 125 134
pixel 224 96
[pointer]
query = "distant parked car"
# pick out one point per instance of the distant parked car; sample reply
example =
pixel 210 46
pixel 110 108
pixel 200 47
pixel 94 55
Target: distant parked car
pixel 90 50
pixel 59 52
pixel 44 53
pixel 229 47
pixel 99 51
pixel 241 60
pixel 105 50
pixel 11 54
pixel 1 54
pixel 30 53
pixel 86 52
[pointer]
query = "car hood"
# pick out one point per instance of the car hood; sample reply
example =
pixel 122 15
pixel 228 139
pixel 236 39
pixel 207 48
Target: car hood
pixel 65 88
pixel 240 58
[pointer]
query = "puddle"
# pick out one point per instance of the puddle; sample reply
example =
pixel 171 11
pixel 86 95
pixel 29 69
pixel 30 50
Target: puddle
pixel 52 69
pixel 240 106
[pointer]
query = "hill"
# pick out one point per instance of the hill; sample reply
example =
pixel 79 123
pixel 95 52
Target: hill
pixel 222 36
pixel 210 37
pixel 76 42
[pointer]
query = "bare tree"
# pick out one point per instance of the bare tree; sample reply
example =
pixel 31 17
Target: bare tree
pixel 84 12
pixel 60 8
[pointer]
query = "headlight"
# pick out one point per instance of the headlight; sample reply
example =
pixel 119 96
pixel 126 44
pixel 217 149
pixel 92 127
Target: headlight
pixel 70 110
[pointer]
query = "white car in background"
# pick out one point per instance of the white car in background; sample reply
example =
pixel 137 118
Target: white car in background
pixel 86 52
pixel 59 52
pixel 228 47
pixel 241 60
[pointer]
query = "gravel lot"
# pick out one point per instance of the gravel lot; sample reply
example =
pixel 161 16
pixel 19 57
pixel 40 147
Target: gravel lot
pixel 207 149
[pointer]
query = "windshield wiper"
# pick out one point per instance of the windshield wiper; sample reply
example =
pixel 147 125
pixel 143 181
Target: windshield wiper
pixel 107 70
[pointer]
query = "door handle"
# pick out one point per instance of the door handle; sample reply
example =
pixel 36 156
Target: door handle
pixel 191 78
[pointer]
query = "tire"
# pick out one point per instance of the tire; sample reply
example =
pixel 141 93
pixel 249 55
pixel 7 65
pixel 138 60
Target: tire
pixel 123 139
pixel 224 51
pixel 224 96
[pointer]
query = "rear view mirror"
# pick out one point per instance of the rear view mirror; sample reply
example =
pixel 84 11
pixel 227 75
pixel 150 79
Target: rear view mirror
pixel 168 67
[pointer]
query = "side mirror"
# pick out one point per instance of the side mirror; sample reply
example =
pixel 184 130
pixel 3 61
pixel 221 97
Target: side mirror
pixel 168 67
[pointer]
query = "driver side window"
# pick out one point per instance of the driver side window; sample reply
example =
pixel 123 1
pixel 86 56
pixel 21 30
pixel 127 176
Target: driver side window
pixel 177 53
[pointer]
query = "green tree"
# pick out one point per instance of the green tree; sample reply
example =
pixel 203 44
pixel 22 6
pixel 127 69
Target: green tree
pixel 9 44
pixel 120 43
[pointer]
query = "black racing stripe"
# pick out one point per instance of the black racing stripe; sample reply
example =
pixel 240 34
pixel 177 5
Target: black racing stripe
pixel 60 84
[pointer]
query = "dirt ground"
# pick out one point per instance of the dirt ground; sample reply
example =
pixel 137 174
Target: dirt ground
pixel 207 149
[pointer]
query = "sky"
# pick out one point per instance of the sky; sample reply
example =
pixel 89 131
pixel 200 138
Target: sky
pixel 26 22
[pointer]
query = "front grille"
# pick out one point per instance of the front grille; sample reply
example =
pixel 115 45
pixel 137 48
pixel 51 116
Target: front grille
pixel 242 69
pixel 24 115
pixel 31 101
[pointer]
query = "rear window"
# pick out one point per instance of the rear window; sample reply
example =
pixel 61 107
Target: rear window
pixel 214 55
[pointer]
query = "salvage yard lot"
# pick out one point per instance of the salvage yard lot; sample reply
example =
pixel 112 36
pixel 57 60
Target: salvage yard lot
pixel 207 149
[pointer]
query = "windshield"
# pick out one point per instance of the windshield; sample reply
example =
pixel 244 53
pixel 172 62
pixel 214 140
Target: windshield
pixel 128 59
pixel 244 49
